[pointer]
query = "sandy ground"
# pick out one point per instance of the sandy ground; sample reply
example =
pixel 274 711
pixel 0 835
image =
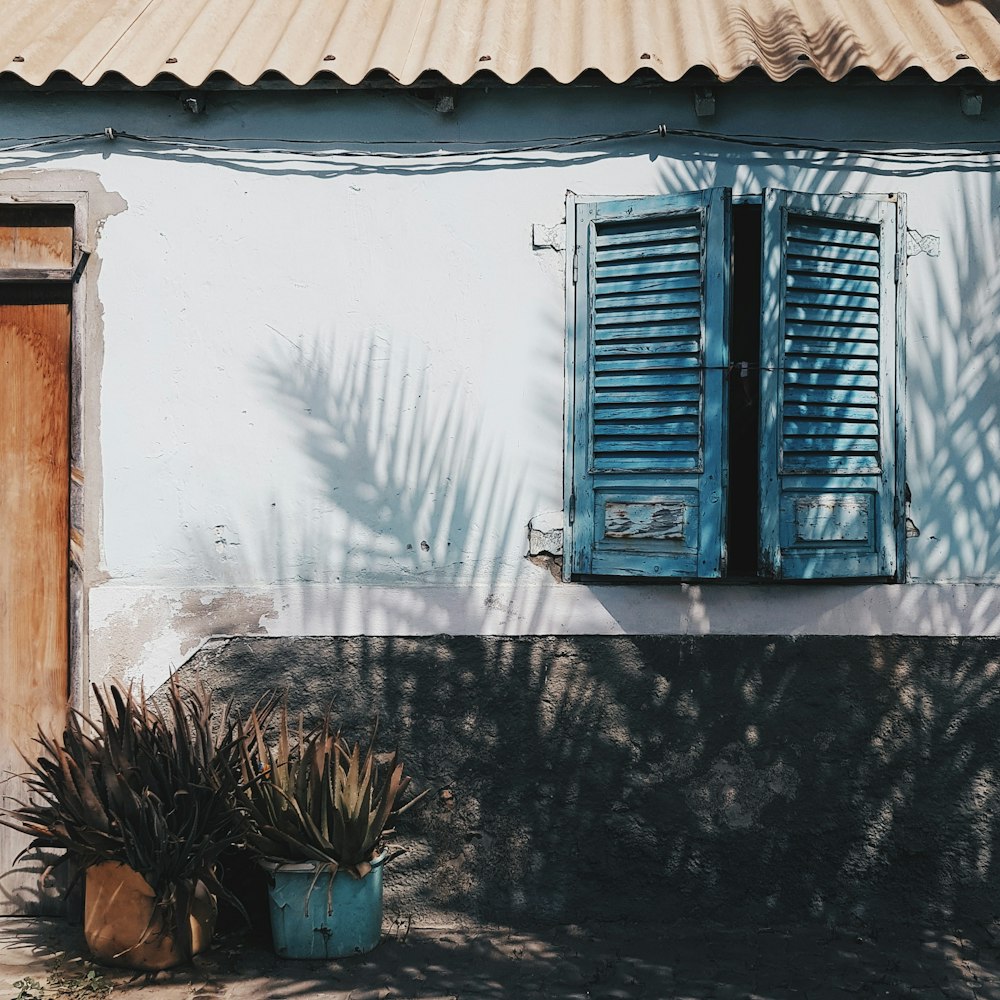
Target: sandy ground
pixel 44 959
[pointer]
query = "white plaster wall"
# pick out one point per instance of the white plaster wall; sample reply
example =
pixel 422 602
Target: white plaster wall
pixel 331 388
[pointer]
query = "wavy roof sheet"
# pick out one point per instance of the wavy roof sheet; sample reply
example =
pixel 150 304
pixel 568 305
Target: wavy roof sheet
pixel 192 39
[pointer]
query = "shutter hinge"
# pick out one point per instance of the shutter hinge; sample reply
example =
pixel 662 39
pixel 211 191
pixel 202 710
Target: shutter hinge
pixel 571 513
pixel 576 265
pixel 81 261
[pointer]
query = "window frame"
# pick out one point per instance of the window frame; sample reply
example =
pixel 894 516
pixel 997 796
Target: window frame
pixel 575 271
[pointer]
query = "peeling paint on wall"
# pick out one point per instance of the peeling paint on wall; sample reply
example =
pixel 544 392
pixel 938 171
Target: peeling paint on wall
pixel 153 636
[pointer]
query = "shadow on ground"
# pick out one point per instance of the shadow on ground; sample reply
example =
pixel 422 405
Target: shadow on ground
pixel 685 959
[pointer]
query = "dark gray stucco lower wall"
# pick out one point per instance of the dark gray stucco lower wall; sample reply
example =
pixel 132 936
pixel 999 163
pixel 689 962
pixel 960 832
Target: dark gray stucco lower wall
pixel 595 778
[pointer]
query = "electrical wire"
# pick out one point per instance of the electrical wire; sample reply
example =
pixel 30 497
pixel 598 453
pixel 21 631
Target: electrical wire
pixel 861 147
pixel 550 142
pixel 282 146
pixel 516 146
pixel 446 148
pixel 42 141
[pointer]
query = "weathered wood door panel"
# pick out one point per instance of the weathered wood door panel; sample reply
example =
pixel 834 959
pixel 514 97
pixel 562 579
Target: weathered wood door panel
pixel 36 236
pixel 35 326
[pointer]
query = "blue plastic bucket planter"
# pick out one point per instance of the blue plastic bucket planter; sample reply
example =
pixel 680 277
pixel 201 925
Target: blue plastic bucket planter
pixel 301 925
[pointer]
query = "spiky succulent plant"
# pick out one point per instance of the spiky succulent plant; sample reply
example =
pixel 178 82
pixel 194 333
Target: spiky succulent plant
pixel 150 786
pixel 312 796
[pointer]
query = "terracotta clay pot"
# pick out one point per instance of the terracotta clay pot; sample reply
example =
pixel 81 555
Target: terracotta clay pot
pixel 123 927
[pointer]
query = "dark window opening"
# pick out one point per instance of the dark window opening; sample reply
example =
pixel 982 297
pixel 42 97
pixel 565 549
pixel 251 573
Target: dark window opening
pixel 22 215
pixel 744 393
pixel 36 293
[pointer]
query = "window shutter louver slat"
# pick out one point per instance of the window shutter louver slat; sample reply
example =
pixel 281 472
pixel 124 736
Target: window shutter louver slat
pixel 649 413
pixel 828 347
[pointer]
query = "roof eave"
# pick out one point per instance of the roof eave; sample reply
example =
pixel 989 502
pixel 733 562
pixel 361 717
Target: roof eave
pixel 755 77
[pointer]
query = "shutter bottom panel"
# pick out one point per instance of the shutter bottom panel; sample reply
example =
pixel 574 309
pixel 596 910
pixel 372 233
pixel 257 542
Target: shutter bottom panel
pixel 646 532
pixel 830 533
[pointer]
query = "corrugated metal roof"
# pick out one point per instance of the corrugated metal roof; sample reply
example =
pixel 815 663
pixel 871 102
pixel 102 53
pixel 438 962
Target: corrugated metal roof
pixel 192 39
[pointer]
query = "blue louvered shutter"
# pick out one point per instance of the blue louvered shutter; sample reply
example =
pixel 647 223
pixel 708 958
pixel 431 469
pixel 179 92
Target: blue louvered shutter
pixel 648 411
pixel 828 386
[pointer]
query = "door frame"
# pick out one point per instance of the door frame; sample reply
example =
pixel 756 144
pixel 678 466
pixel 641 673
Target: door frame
pixel 22 191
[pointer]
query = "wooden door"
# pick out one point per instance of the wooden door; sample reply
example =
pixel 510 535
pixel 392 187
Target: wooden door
pixel 35 327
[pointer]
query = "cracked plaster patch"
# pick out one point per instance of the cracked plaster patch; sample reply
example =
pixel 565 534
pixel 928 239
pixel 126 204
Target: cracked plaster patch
pixel 735 791
pixel 152 636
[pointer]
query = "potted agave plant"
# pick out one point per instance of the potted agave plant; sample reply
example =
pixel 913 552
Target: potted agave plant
pixel 142 799
pixel 320 811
